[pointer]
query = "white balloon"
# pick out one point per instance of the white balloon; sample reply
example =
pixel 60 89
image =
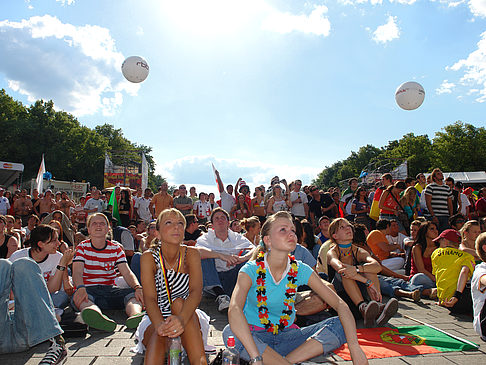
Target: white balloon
pixel 135 69
pixel 410 95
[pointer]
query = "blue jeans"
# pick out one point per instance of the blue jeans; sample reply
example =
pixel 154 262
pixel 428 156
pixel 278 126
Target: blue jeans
pixel 443 222
pixel 33 320
pixel 135 265
pixel 329 333
pixel 224 279
pixel 108 297
pixel 388 285
pixel 60 299
pixel 422 280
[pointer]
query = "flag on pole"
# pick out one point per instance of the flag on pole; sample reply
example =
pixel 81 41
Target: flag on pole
pixel 384 342
pixel 114 204
pixel 40 176
pixel 144 172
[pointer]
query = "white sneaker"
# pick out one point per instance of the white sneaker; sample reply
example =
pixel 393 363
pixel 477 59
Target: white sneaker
pixel 57 353
pixel 223 302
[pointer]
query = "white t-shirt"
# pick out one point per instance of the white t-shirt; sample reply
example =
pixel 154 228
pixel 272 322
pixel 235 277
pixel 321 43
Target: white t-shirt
pixel 4 205
pixel 298 208
pixel 202 209
pixel 95 203
pixel 48 266
pixel 464 203
pixel 227 201
pixel 478 294
pixel 142 206
pixel 233 245
pixel 398 240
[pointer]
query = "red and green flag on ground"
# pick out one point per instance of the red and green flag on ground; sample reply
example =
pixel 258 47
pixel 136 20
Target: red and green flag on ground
pixel 114 204
pixel 384 342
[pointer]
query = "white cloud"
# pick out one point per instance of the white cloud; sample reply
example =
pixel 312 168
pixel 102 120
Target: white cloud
pixel 387 32
pixel 65 2
pixel 478 7
pixel 197 171
pixel 445 88
pixel 474 67
pixel 314 23
pixel 78 67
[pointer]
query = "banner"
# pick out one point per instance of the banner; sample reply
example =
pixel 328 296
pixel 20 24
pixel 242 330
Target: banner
pixel 384 342
pixel 144 172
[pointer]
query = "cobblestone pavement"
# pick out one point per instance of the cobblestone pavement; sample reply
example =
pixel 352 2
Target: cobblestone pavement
pixel 114 348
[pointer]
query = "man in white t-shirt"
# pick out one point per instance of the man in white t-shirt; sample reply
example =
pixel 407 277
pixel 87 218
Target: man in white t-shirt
pixel 227 198
pixel 465 204
pixel 4 203
pixel 142 206
pixel 395 237
pixel 300 206
pixel 95 204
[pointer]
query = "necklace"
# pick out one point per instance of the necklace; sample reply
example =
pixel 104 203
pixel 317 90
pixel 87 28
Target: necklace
pixel 262 298
pixel 164 272
pixel 347 253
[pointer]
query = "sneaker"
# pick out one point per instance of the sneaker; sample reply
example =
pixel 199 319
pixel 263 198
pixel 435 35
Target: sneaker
pixel 57 353
pixel 133 321
pixel 369 312
pixel 433 294
pixel 223 302
pixel 387 311
pixel 97 320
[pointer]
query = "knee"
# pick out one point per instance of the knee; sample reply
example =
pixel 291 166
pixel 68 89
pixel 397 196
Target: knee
pixel 25 265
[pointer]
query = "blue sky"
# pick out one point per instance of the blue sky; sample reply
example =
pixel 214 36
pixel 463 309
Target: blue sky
pixel 258 87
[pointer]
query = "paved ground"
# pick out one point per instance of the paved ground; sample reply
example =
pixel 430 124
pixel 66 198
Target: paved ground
pixel 114 348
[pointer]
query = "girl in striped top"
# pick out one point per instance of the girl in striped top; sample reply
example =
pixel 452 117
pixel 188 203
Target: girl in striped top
pixel 172 288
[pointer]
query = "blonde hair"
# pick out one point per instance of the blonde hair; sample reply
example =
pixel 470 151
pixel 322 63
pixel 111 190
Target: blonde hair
pixel 267 226
pixel 90 218
pixel 407 196
pixel 163 214
pixel 465 228
pixel 250 222
pixel 334 226
pixel 480 242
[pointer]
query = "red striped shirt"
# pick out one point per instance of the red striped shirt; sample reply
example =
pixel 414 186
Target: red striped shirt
pixel 99 264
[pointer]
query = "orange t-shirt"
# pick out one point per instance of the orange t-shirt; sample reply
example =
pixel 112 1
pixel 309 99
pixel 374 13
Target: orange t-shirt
pixel 162 202
pixel 373 239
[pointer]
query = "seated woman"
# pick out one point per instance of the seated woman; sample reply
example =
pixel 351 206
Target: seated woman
pixel 356 275
pixel 252 228
pixel 421 262
pixel 261 314
pixel 171 309
pixel 43 250
pixel 8 243
pixel 469 232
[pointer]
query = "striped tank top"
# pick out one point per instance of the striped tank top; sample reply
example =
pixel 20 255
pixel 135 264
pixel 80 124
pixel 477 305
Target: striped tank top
pixel 178 283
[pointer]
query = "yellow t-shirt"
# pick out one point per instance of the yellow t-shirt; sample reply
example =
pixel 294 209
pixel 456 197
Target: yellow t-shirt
pixel 446 266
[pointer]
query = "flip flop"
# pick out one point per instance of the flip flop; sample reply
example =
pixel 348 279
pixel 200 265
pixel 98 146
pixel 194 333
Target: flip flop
pixel 95 319
pixel 133 321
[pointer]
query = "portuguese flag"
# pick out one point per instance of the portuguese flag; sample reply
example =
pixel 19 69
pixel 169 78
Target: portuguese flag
pixel 383 342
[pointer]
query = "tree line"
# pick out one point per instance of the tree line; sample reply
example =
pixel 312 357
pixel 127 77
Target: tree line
pixel 72 151
pixel 457 147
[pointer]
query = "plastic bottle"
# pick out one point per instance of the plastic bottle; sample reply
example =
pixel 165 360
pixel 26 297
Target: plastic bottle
pixel 230 356
pixel 175 348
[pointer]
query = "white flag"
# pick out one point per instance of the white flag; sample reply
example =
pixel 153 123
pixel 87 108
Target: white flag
pixel 40 176
pixel 144 172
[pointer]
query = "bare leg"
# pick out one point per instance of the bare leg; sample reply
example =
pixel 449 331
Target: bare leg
pixel 311 304
pixel 155 345
pixel 352 290
pixel 307 350
pixel 133 307
pixel 271 357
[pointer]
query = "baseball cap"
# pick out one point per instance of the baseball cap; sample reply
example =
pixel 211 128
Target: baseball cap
pixel 451 235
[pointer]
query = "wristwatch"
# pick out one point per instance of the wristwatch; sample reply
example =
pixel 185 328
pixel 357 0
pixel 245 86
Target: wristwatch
pixel 61 268
pixel 256 359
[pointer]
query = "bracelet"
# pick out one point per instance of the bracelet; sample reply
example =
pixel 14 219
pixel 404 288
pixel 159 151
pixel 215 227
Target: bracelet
pixel 457 294
pixel 369 283
pixel 256 359
pixel 60 268
pixel 137 287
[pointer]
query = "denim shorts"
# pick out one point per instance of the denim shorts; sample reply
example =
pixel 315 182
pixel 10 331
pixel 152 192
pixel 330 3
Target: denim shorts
pixel 108 297
pixel 329 333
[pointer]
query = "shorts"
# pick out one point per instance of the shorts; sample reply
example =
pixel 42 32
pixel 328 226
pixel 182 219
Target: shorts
pixel 108 297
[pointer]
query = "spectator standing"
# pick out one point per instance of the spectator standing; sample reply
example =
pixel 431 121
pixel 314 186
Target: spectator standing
pixel 438 197
pixel 4 203
pixel 161 201
pixel 142 206
pixel 183 202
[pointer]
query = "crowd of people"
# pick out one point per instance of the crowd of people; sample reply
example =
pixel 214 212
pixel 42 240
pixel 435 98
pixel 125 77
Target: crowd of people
pixel 293 266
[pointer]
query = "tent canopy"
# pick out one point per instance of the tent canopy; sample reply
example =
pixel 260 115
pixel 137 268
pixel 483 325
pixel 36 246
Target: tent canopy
pixel 469 177
pixel 9 172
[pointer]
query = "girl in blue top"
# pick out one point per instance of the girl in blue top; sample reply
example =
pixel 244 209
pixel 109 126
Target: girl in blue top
pixel 262 312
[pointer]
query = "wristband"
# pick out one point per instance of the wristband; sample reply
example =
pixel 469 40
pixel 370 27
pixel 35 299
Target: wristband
pixel 457 294
pixel 80 286
pixel 369 283
pixel 61 268
pixel 137 287
pixel 256 359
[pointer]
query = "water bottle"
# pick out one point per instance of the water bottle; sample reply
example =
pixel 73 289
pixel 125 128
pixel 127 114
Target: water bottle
pixel 175 347
pixel 230 356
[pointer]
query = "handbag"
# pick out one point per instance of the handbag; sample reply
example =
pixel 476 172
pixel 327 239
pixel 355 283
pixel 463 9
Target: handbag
pixel 402 215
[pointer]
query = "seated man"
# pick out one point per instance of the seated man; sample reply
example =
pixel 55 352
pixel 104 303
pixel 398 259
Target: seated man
pixel 383 249
pixel 33 320
pixel 192 232
pixel 94 275
pixel 452 269
pixel 223 252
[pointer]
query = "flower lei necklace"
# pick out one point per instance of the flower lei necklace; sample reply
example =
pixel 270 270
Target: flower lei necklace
pixel 262 298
